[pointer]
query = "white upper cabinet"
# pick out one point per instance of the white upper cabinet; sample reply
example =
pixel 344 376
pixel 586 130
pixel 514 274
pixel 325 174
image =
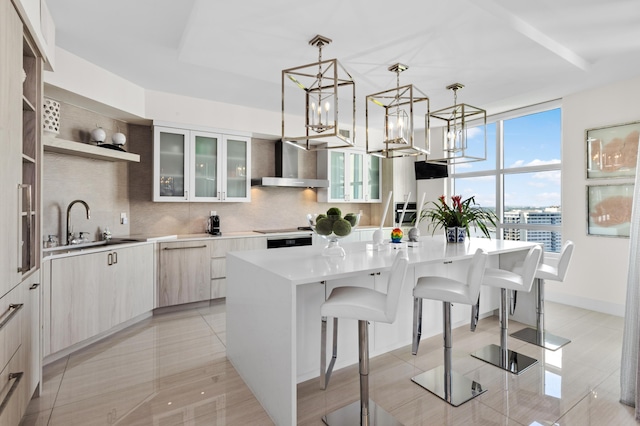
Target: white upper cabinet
pixel 195 165
pixel 353 176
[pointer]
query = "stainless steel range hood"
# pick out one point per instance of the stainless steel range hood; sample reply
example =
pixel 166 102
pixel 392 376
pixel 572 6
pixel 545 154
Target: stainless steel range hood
pixel 287 174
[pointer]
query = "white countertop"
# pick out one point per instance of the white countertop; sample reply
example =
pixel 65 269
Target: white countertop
pixel 307 264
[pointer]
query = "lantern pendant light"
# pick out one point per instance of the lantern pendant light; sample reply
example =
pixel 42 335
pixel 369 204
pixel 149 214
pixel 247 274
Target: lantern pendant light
pixel 312 104
pixel 399 121
pixel 460 144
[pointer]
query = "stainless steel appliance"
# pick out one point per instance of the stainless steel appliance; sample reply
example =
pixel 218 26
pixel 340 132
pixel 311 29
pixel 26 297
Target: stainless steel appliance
pixel 296 239
pixel 409 215
pixel 287 172
pixel 213 224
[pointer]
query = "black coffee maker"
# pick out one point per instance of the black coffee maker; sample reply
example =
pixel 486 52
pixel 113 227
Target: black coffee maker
pixel 213 224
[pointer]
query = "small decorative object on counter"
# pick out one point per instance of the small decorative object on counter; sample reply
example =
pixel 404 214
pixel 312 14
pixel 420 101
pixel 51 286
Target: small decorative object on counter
pixel 106 234
pixel 396 235
pixel 413 234
pixel 332 226
pixel 98 135
pixel 52 241
pixel 51 116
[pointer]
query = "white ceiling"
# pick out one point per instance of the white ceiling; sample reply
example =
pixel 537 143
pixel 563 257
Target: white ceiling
pixel 508 53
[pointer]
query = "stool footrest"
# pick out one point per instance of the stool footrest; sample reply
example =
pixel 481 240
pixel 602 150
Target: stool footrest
pixel 460 390
pixel 544 340
pixel 350 415
pixel 504 358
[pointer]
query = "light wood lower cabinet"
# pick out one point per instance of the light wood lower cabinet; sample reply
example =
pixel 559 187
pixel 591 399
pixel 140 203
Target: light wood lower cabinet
pixel 91 293
pixel 32 332
pixel 184 274
pixel 20 362
pixel 219 249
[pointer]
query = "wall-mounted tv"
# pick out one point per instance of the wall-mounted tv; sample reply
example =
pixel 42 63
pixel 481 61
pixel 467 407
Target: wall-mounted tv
pixel 426 170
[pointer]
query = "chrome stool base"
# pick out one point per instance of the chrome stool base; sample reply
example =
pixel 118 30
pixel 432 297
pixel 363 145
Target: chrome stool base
pixel 461 389
pixel 506 359
pixel 544 340
pixel 350 416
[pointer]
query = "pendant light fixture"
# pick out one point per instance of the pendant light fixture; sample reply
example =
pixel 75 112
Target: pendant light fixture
pixel 312 97
pixel 464 132
pixel 400 120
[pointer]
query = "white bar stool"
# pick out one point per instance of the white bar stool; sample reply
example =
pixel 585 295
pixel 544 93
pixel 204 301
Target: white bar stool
pixel 538 336
pixel 364 305
pixel 521 279
pixel 449 385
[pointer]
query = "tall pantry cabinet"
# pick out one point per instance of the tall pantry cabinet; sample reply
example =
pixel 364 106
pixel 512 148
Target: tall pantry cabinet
pixel 20 171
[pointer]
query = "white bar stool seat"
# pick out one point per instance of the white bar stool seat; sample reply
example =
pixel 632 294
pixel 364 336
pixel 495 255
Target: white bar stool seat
pixel 520 279
pixel 547 271
pixel 364 305
pixel 442 381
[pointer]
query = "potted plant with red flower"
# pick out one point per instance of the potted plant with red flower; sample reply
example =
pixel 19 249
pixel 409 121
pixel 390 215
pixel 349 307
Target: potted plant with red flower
pixel 456 218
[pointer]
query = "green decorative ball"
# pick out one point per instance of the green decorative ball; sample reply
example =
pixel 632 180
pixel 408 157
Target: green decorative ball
pixel 324 226
pixel 334 211
pixel 351 218
pixel 341 228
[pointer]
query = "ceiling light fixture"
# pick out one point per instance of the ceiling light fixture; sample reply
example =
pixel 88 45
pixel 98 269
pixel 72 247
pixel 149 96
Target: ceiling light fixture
pixel 402 106
pixel 464 135
pixel 327 89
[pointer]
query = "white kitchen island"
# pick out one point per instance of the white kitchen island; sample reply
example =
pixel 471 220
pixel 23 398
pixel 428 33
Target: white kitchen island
pixel 273 308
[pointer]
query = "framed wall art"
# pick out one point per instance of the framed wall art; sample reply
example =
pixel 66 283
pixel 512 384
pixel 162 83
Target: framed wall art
pixel 612 151
pixel 609 209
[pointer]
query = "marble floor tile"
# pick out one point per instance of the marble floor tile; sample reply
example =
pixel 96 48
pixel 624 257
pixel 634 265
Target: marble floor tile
pixel 172 370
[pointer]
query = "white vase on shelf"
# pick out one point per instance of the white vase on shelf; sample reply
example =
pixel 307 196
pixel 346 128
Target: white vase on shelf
pixel 51 116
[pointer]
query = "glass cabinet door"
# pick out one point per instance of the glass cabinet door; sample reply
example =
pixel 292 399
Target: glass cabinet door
pixel 373 178
pixel 205 181
pixel 238 164
pixel 356 177
pixel 170 171
pixel 337 175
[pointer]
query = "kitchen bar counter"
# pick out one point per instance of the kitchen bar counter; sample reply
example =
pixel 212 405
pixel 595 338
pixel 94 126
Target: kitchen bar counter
pixel 274 298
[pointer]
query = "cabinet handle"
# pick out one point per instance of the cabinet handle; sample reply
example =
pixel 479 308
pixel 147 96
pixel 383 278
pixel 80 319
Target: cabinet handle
pixel 13 310
pixel 446 262
pixel 115 257
pixel 110 259
pixel 34 286
pixel 184 248
pixel 16 377
pixel 29 226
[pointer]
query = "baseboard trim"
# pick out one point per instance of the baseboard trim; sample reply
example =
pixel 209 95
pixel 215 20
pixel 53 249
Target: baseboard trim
pixel 585 303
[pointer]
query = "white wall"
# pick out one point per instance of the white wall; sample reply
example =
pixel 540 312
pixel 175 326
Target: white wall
pixel 598 272
pixel 597 276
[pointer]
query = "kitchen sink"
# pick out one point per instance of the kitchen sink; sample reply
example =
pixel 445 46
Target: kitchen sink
pixel 91 244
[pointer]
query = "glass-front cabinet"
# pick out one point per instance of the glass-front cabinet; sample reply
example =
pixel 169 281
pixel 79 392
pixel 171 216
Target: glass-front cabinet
pixel 201 166
pixel 353 176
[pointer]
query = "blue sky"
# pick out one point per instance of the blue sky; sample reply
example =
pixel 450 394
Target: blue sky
pixel 528 141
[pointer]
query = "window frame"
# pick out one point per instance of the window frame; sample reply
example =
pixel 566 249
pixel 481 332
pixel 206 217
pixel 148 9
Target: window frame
pixel 499 171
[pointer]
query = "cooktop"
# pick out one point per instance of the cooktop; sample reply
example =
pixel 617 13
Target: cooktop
pixel 279 231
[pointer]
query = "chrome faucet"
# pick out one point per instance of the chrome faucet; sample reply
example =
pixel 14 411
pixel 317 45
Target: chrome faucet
pixel 69 233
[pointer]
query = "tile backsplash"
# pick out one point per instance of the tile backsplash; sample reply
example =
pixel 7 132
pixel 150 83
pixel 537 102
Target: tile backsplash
pixel 112 188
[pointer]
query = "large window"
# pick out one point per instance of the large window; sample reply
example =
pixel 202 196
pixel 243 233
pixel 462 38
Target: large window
pixel 520 180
